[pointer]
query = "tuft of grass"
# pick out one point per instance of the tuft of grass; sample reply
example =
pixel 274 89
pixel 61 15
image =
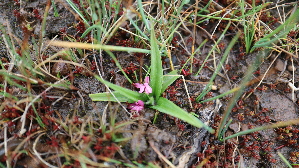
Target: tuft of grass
pixel 291 20
pixel 154 99
pixel 87 140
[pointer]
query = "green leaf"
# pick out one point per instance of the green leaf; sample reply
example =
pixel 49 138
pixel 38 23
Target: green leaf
pixel 77 11
pixel 168 107
pixel 218 68
pixel 95 26
pixel 131 95
pixel 282 31
pixel 285 160
pixel 168 79
pixel 156 67
pixel 107 96
pixel 265 127
pixel 141 10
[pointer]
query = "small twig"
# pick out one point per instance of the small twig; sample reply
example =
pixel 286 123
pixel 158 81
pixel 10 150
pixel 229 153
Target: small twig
pixel 189 99
pixel 291 54
pixel 292 86
pixel 267 73
pixel 60 98
pixel 80 95
pixel 23 118
pixel 109 90
pixel 160 154
pixel 184 46
pixel 38 155
pixel 5 146
pixel 104 114
pixel 185 85
pixel 223 16
pixel 293 75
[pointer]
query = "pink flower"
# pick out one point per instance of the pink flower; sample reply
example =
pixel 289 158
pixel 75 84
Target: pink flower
pixel 137 106
pixel 145 87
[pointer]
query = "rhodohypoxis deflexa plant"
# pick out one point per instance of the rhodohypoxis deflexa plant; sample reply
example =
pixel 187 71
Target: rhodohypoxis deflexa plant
pixel 150 91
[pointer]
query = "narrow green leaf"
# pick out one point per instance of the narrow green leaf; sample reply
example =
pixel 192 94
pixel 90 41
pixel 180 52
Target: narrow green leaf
pixel 168 79
pixel 38 118
pixel 221 95
pixel 96 27
pixel 107 96
pixel 261 55
pixel 7 95
pixel 138 29
pixel 265 127
pixel 131 95
pixel 283 30
pixel 141 10
pixel 218 68
pixel 168 107
pixel 156 67
pixel 77 11
pixel 118 65
pixel 285 160
pixel 55 9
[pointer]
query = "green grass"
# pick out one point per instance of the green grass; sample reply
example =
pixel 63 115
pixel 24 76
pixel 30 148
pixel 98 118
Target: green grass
pixel 151 26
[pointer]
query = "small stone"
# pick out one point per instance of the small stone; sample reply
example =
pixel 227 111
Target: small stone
pixel 60 68
pixel 280 66
pixel 235 127
pixel 291 68
pixel 214 87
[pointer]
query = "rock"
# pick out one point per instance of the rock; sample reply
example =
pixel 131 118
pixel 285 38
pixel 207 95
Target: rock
pixel 235 127
pixel 281 111
pixel 60 68
pixel 291 68
pixel 280 65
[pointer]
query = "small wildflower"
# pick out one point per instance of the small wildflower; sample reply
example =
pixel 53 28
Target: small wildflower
pixel 145 87
pixel 137 106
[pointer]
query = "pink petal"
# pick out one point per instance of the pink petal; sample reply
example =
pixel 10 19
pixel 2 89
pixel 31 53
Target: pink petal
pixel 140 103
pixel 146 79
pixel 139 86
pixel 148 89
pixel 137 106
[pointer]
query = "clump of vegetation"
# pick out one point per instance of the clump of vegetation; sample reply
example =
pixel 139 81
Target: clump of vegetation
pixel 125 80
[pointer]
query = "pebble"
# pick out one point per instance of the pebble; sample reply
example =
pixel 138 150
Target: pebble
pixel 279 65
pixel 61 68
pixel 291 68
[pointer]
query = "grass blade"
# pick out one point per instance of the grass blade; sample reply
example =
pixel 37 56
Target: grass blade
pixel 276 125
pixel 156 67
pixel 97 46
pixel 224 57
pixel 141 10
pixel 284 160
pixel 131 95
pixel 283 29
pixel 239 91
pixel 168 107
pixel 118 65
pixel 106 96
pixel 168 79
pixel 77 11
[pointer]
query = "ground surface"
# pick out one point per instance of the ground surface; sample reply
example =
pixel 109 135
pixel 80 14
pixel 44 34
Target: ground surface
pixel 271 101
